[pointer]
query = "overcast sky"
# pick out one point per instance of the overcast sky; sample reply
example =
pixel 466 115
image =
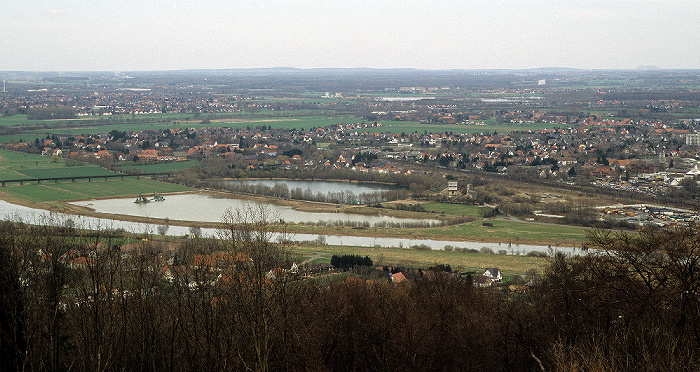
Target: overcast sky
pixel 126 35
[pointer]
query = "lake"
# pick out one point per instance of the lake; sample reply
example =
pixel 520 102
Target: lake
pixel 15 212
pixel 316 186
pixel 338 192
pixel 207 208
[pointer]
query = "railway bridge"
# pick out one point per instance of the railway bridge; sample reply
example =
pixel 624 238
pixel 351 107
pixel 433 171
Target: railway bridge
pixel 21 181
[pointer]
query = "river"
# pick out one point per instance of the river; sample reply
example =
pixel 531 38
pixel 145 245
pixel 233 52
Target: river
pixel 15 212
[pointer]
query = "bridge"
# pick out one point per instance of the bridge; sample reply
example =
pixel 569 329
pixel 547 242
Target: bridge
pixel 89 178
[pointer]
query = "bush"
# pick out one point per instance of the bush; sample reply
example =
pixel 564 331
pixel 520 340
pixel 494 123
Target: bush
pixel 493 212
pixel 537 254
pixel 421 247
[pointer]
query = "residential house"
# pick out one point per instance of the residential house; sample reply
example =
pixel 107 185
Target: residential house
pixel 493 273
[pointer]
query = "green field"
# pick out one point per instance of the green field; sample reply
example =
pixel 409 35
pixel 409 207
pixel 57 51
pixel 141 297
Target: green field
pixel 19 160
pixel 514 232
pixel 79 171
pixel 64 191
pixel 465 261
pixel 274 119
pixel 157 167
pixel 15 120
pixel 11 174
pixel 456 209
pixel 19 165
pixel 511 232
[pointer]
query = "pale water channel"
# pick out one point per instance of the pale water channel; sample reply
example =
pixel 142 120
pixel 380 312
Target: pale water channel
pixel 39 216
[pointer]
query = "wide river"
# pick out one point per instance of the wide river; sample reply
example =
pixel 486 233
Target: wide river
pixel 39 216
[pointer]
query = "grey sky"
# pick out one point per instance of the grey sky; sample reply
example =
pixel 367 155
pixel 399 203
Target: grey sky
pixel 123 35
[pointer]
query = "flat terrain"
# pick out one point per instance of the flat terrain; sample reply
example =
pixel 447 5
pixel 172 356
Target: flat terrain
pixel 17 165
pixel 455 209
pixel 418 258
pixel 14 165
pixel 156 168
pixel 278 120
pixel 66 190
pixel 502 231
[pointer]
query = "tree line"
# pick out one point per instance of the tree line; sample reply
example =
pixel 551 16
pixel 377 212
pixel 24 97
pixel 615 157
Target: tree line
pixel 348 261
pixel 85 301
pixel 281 190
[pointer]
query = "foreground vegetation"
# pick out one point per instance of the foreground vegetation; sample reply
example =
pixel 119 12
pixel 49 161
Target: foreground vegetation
pixel 88 301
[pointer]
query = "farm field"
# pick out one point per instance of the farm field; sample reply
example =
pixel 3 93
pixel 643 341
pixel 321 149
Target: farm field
pixel 412 257
pixel 276 120
pixel 65 191
pixel 10 121
pixel 456 209
pixel 19 165
pixel 20 160
pixel 11 174
pixel 513 232
pixel 79 171
pixel 157 167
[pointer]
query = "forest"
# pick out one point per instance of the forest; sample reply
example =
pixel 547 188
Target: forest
pixel 101 301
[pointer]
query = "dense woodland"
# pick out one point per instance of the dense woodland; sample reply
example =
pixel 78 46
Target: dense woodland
pixel 96 301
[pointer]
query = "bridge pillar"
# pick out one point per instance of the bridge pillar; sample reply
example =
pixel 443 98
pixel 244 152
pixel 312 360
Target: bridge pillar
pixel 38 182
pixel 3 183
pixel 138 177
pixel 89 179
pixel 106 178
pixel 122 178
pixel 21 183
pixel 55 181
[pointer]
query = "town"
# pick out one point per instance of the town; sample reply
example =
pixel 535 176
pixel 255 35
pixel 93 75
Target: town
pixel 206 219
pixel 619 141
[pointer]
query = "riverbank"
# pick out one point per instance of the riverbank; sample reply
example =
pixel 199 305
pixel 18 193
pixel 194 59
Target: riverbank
pixel 498 231
pixel 460 261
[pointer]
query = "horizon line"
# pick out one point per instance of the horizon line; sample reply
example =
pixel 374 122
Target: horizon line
pixel 645 68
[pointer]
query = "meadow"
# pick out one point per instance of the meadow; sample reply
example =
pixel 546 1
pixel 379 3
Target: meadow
pixel 277 120
pixel 501 231
pixel 67 190
pixel 513 232
pixel 455 209
pixel 155 167
pixel 77 171
pixel 463 261
pixel 19 165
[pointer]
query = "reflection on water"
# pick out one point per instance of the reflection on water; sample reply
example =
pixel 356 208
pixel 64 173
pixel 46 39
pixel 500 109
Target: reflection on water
pixel 323 187
pixel 338 192
pixel 39 216
pixel 206 208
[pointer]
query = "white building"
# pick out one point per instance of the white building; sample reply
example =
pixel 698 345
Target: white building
pixel 692 139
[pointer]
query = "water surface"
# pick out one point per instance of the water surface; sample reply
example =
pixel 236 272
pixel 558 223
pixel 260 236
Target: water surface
pixel 15 212
pixel 207 208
